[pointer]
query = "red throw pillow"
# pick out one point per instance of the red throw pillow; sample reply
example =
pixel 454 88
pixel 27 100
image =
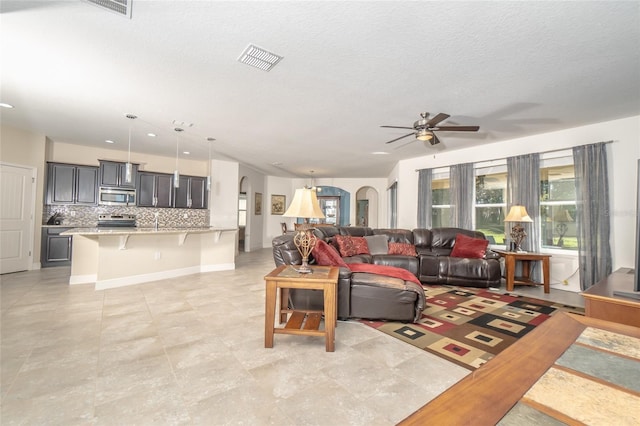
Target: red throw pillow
pixel 326 255
pixel 405 249
pixel 350 246
pixel 474 248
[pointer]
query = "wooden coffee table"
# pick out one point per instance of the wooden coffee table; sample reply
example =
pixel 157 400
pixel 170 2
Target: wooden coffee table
pixel 510 258
pixel 301 322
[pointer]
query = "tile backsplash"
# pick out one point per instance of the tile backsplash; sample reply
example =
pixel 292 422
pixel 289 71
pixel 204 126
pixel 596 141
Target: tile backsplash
pixel 87 216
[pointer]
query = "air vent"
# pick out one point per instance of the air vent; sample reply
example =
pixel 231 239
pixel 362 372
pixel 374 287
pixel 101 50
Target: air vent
pixel 121 7
pixel 259 58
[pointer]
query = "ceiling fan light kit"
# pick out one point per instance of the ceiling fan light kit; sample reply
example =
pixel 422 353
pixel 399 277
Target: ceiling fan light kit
pixel 425 128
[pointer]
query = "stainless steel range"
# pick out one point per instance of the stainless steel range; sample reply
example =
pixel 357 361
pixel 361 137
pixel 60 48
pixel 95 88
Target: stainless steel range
pixel 117 220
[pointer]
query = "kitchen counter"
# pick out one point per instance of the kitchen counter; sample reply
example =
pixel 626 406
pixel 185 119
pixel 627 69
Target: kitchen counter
pixel 119 256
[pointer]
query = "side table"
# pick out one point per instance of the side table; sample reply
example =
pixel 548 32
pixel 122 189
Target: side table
pixel 510 258
pixel 301 322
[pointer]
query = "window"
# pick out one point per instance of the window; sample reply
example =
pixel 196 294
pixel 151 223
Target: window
pixel 441 196
pixel 491 202
pixel 242 209
pixel 558 203
pixel 393 205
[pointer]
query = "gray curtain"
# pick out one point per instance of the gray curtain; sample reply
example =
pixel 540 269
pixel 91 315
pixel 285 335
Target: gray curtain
pixel 425 198
pixel 461 181
pixel 592 213
pixel 523 189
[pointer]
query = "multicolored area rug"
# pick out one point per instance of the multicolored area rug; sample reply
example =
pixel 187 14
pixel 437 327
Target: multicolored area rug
pixel 470 326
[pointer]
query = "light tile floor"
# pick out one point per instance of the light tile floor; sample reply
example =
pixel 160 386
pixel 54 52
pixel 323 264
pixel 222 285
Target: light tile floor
pixel 191 351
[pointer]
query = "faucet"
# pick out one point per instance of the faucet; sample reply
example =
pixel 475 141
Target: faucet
pixel 155 224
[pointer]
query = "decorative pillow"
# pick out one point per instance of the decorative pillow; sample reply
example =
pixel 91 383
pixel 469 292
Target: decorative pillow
pixel 378 244
pixel 350 246
pixel 326 255
pixel 469 247
pixel 405 249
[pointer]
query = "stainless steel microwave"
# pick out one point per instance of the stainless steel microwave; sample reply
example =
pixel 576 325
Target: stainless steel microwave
pixel 117 197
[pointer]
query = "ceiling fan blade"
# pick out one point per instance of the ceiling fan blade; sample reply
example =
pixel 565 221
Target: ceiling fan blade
pixel 401 137
pixel 438 118
pixel 458 128
pixel 398 127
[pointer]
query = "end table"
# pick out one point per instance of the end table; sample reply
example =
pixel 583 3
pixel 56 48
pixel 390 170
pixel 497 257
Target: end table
pixel 301 322
pixel 510 258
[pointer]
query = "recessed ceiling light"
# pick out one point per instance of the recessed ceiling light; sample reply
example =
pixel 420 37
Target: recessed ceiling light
pixel 380 153
pixel 4 105
pixel 151 135
pixel 109 141
pixel 186 152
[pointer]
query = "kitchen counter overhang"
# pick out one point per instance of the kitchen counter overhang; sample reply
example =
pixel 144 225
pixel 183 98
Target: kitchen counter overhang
pixel 115 257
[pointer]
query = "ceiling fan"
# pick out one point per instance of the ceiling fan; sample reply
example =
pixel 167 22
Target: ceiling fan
pixel 425 128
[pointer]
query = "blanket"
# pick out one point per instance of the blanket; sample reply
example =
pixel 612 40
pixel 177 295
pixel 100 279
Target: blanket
pixel 390 271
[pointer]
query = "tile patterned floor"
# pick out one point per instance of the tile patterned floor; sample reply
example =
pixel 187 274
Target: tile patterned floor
pixel 191 351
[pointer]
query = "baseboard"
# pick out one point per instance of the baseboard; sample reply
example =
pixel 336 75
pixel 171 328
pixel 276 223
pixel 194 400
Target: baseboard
pixel 144 278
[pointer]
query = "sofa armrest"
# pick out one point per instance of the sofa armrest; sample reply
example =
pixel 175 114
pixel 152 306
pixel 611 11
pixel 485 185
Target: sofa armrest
pixel 490 254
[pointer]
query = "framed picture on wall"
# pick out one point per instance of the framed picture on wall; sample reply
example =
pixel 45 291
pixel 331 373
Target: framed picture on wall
pixel 277 204
pixel 258 203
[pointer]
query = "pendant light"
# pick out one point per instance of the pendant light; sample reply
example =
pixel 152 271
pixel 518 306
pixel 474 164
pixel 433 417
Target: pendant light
pixel 176 174
pixel 209 165
pixel 128 176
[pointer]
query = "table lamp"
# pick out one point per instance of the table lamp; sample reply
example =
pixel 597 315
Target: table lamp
pixel 305 205
pixel 518 214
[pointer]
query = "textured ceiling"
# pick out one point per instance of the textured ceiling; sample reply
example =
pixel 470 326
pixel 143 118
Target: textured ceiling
pixel 72 70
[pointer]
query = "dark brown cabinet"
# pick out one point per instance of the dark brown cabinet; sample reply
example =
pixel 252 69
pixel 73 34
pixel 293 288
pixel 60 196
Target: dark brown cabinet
pixel 72 184
pixel 114 174
pixel 192 193
pixel 56 248
pixel 155 190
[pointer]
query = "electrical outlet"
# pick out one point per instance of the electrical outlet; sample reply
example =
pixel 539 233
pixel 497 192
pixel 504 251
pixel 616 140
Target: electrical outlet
pixel 186 215
pixel 157 255
pixel 72 213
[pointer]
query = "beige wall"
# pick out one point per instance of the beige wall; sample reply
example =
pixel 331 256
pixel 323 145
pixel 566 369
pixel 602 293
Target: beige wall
pixel 20 147
pixel 61 152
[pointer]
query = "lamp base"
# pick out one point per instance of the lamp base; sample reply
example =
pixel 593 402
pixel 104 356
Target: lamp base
pixel 304 269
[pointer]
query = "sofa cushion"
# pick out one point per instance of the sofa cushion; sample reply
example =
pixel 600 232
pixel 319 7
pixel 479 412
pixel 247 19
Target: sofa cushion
pixel 326 255
pixel 403 249
pixel 468 247
pixel 351 246
pixel 378 244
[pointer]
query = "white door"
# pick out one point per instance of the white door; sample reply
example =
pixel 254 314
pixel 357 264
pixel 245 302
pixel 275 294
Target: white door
pixel 17 198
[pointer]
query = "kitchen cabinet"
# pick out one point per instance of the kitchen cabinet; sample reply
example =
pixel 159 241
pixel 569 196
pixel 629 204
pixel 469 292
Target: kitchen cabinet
pixel 72 184
pixel 192 193
pixel 155 190
pixel 55 248
pixel 113 174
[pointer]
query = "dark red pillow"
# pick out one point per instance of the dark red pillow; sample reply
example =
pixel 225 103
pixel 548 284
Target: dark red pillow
pixel 474 248
pixel 350 246
pixel 326 255
pixel 405 249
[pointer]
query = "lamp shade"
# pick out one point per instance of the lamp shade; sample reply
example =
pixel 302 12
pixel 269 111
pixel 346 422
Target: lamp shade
pixel 305 205
pixel 518 214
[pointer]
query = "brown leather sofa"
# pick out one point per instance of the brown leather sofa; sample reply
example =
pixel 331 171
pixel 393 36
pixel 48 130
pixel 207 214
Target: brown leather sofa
pixel 433 263
pixel 360 294
pixel 364 295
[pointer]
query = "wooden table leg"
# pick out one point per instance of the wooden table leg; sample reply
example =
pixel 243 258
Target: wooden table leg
pixel 284 304
pixel 526 269
pixel 510 271
pixel 545 274
pixel 269 313
pixel 330 316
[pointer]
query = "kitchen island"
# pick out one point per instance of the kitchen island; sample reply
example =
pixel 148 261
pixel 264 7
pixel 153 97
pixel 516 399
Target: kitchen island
pixel 116 257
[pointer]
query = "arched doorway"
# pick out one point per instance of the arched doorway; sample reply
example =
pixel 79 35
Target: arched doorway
pixel 367 207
